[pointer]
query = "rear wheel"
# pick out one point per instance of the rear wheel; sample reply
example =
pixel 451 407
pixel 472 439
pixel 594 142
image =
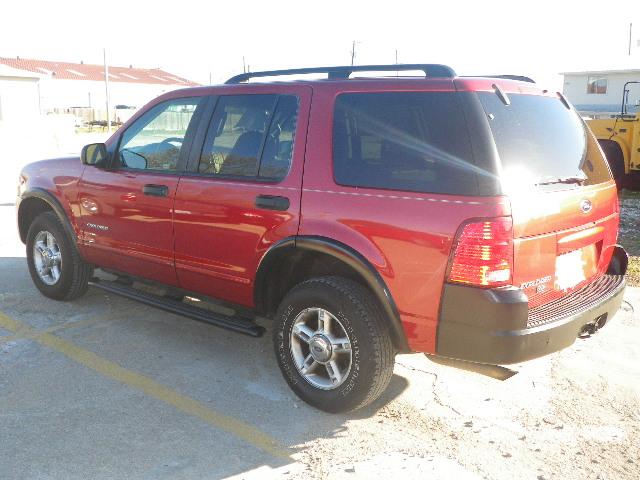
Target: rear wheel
pixel 333 345
pixel 54 264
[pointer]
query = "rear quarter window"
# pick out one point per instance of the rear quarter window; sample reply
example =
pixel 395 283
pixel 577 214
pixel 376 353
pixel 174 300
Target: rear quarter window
pixel 411 141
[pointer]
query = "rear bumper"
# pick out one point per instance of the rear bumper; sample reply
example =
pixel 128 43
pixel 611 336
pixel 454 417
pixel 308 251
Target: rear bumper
pixel 497 327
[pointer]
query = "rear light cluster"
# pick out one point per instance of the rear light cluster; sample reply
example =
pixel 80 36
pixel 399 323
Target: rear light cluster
pixel 483 253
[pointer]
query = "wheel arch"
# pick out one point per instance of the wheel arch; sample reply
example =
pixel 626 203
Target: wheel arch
pixel 295 259
pixel 36 201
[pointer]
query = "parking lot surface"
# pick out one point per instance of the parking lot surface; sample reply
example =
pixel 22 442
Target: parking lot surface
pixel 104 387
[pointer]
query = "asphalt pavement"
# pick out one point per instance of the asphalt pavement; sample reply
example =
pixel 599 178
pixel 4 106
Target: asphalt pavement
pixel 106 388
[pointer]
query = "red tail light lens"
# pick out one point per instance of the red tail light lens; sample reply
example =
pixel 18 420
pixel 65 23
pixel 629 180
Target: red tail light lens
pixel 483 253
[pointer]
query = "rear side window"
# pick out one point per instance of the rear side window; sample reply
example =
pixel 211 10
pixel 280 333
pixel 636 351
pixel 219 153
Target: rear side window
pixel 541 141
pixel 414 141
pixel 251 136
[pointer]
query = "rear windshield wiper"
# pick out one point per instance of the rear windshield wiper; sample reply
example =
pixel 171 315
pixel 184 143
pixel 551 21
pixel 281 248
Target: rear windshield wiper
pixel 553 181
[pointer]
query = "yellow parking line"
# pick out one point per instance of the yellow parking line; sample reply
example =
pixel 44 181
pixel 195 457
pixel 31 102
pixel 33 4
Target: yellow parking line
pixel 22 334
pixel 185 404
pixel 10 324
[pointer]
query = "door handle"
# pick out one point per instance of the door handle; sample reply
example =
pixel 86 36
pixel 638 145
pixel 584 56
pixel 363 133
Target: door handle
pixel 270 202
pixel 156 190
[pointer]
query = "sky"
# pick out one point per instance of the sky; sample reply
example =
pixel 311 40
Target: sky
pixel 200 40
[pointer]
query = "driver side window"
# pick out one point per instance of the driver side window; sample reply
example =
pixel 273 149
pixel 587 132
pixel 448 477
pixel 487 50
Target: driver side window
pixel 155 140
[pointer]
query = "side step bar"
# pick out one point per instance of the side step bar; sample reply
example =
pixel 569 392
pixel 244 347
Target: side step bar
pixel 236 324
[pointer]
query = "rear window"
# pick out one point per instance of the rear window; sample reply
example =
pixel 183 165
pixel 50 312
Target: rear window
pixel 541 141
pixel 403 141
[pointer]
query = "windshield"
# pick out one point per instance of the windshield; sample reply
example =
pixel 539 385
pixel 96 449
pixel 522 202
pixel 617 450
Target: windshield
pixel 540 141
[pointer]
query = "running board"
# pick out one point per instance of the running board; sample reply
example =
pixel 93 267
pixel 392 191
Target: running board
pixel 236 324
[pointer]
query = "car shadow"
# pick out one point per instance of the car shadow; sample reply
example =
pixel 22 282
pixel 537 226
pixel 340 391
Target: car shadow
pixel 231 375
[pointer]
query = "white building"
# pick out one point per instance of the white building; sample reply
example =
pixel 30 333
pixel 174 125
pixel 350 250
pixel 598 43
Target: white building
pixel 19 97
pixel 62 85
pixel 31 90
pixel 600 91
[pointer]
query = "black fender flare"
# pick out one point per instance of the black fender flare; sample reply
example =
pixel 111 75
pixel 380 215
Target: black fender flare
pixel 345 254
pixel 52 201
pixel 619 261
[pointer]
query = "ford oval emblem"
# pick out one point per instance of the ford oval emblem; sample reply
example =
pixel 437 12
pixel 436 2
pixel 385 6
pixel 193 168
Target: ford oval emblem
pixel 586 206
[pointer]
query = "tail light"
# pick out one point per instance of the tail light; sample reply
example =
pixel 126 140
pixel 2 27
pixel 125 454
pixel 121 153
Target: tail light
pixel 483 253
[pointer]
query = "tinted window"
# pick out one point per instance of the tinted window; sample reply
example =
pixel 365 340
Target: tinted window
pixel 278 147
pixel 540 140
pixel 403 141
pixel 251 136
pixel 155 140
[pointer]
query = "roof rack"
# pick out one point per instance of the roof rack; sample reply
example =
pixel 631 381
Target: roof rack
pixel 343 73
pixel 520 78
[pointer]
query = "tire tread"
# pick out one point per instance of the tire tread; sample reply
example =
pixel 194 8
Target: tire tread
pixel 372 318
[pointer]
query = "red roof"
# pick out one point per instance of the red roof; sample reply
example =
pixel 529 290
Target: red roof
pixel 84 71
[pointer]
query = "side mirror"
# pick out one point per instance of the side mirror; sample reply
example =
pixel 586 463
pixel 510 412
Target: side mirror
pixel 94 155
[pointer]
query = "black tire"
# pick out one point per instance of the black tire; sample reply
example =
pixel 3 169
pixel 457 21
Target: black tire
pixel 615 159
pixel 74 272
pixel 372 351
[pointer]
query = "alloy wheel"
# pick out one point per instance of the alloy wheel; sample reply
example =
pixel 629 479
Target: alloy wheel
pixel 321 348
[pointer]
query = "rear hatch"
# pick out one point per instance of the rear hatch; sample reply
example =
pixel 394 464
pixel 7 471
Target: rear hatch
pixel 564 203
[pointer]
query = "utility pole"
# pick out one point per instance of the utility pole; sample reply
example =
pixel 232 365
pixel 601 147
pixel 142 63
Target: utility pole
pixel 630 30
pixel 353 51
pixel 244 65
pixel 106 87
pixel 396 61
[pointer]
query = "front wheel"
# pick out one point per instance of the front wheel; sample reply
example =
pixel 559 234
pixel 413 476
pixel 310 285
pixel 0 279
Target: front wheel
pixel 54 264
pixel 333 344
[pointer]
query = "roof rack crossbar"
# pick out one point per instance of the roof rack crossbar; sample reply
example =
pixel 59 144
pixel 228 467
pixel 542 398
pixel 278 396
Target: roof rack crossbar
pixel 343 73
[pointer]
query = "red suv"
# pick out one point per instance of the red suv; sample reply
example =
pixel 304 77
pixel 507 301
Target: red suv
pixel 470 218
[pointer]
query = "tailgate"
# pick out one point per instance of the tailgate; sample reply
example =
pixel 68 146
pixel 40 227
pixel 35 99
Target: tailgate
pixel 563 239
pixel 564 202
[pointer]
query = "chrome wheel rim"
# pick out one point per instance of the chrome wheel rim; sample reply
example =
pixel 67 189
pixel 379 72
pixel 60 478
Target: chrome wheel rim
pixel 320 348
pixel 47 258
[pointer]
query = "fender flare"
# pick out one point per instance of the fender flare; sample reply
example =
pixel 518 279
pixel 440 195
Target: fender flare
pixel 56 206
pixel 350 257
pixel 619 261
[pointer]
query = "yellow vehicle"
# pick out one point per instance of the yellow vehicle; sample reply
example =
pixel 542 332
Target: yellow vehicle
pixel 619 137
